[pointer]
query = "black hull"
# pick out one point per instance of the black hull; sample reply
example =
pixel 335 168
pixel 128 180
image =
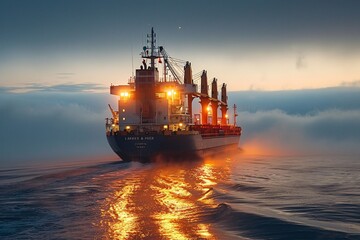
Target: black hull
pixel 150 148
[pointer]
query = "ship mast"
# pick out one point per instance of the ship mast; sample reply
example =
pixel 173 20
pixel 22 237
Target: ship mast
pixel 152 48
pixel 154 53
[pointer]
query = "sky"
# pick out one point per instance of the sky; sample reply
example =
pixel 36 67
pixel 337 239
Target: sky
pixel 250 45
pixel 292 68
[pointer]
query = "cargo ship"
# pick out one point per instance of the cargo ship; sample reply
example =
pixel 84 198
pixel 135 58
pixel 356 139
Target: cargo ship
pixel 154 117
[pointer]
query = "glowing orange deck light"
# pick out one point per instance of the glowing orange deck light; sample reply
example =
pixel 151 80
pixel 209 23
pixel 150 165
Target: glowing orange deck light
pixel 124 94
pixel 171 92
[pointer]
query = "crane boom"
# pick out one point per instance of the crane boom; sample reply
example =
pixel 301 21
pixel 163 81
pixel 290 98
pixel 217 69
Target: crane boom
pixel 113 112
pixel 167 60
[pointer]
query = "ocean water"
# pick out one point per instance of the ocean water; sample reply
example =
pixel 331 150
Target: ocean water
pixel 236 197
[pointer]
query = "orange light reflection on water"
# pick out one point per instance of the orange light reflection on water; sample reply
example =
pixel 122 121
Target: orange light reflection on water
pixel 118 218
pixel 177 218
pixel 166 201
pixel 172 199
pixel 206 182
pixel 259 147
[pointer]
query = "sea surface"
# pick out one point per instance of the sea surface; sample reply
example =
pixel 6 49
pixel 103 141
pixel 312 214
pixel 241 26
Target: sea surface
pixel 224 197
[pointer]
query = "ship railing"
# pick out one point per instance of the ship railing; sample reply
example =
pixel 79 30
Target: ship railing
pixel 207 130
pixel 220 134
pixel 111 127
pixel 180 118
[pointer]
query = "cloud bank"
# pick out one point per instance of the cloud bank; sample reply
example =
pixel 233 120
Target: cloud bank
pixel 319 121
pixel 298 102
pixel 53 126
pixel 56 88
pixel 276 132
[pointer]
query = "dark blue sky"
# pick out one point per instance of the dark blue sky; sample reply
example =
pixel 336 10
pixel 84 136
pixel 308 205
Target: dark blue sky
pixel 272 44
pixel 90 23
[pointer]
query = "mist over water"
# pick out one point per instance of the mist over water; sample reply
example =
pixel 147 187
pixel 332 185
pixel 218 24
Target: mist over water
pixel 319 121
pixel 39 127
pixel 326 132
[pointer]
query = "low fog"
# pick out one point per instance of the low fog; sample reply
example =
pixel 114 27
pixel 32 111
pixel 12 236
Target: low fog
pixel 38 126
pixel 42 126
pixel 322 121
pixel 325 132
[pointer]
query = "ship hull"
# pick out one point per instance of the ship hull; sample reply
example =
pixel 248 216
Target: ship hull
pixel 150 148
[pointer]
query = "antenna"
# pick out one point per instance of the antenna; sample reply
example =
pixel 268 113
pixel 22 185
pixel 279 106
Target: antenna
pixel 132 62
